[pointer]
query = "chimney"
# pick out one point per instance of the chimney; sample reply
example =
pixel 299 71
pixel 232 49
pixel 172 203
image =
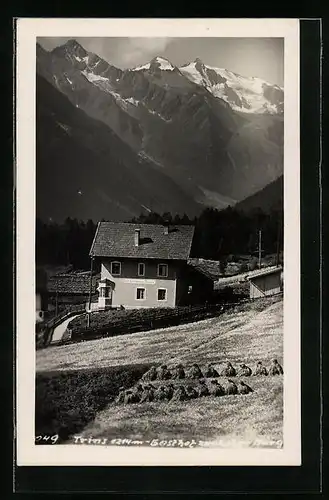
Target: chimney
pixel 137 236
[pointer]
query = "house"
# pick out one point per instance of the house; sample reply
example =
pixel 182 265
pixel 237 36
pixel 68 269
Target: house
pixel 72 288
pixel 145 265
pixel 268 281
pixel 41 296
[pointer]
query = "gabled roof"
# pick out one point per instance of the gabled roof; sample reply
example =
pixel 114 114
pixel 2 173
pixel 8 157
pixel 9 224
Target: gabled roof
pixel 72 283
pixel 117 239
pixel 199 266
pixel 265 272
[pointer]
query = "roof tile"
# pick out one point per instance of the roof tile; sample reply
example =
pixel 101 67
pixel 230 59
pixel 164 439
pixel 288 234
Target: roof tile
pixel 72 283
pixel 116 239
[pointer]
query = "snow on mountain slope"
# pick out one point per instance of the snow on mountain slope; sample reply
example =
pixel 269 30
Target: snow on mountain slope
pixel 159 62
pixel 246 94
pixel 84 59
pixel 104 84
pixel 182 121
pixel 94 78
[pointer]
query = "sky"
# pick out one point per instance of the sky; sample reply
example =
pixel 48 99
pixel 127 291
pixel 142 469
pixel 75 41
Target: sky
pixel 258 57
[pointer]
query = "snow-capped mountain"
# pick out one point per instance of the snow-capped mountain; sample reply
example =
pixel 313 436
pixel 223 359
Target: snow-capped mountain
pixel 247 94
pixel 244 94
pixel 182 121
pixel 156 63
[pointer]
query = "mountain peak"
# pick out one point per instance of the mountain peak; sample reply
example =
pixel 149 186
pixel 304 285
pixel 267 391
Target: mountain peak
pixel 71 47
pixel 156 63
pixel 199 65
pixel 162 63
pixel 72 43
pixel 246 94
pixel 160 59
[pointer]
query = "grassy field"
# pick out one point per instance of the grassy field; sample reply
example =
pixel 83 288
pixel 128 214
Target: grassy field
pixel 244 420
pixel 247 334
pixel 67 400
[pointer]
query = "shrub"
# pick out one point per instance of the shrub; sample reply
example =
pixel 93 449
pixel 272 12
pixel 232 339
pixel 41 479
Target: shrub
pixel 67 401
pixel 253 264
pixel 243 268
pixel 223 266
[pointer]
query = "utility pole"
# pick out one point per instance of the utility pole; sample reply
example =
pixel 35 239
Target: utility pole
pixel 90 290
pixel 260 249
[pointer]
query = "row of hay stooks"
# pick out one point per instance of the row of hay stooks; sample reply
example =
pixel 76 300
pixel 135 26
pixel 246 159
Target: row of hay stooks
pixel 147 392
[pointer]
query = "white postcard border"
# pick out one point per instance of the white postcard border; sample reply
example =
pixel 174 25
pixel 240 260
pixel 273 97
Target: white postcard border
pixel 28 453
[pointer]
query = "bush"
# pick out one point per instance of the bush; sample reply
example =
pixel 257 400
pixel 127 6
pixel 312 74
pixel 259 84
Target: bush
pixel 243 268
pixel 43 335
pixel 233 293
pixel 67 401
pixel 253 264
pixel 223 266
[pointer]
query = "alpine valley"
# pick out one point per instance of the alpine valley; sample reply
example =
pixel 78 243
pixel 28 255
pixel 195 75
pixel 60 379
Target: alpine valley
pixel 114 143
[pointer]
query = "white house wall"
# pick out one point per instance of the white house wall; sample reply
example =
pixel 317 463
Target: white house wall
pixel 125 290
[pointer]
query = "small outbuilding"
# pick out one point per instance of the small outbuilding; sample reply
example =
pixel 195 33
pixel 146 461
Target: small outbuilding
pixel 265 282
pixel 72 288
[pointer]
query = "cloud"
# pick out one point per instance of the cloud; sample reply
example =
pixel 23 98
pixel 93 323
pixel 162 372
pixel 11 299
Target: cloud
pixel 123 52
pixel 139 50
pixel 49 43
pixel 260 57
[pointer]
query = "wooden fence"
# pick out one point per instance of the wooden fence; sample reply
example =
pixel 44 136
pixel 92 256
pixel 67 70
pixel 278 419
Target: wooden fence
pixel 136 321
pixel 131 321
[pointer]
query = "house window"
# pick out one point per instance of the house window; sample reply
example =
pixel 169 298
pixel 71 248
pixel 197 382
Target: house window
pixel 163 270
pixel 115 268
pixel 140 293
pixel 141 269
pixel 162 294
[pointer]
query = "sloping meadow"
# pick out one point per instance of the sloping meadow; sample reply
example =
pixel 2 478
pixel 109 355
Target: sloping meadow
pixel 253 420
pixel 79 397
pixel 67 401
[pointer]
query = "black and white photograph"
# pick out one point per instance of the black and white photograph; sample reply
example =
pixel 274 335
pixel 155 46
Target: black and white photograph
pixel 157 181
